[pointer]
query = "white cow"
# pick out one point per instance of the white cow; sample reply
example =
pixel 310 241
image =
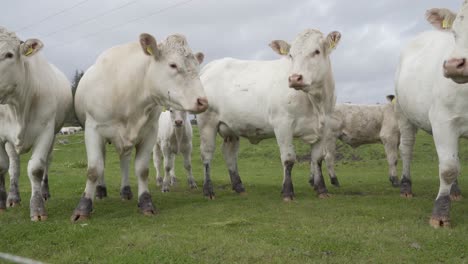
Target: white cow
pixel 357 125
pixel 35 98
pixel 434 103
pixel 174 136
pixel 119 101
pixel 252 99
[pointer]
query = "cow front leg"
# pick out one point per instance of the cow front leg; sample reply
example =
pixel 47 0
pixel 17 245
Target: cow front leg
pixel 207 149
pixel 125 190
pixel 142 158
pixel 95 149
pixel 157 161
pixel 37 167
pixel 188 167
pixel 446 142
pixel 317 155
pixel 407 140
pixel 284 139
pixel 169 158
pixel 391 150
pixel 14 198
pixel 230 150
pixel 4 163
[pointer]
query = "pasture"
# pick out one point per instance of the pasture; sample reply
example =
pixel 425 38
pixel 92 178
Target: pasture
pixel 365 220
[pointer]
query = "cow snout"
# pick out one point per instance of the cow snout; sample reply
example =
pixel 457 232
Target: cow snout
pixel 455 67
pixel 296 81
pixel 202 104
pixel 178 123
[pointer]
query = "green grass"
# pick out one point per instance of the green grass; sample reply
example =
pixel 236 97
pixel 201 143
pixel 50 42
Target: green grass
pixel 365 221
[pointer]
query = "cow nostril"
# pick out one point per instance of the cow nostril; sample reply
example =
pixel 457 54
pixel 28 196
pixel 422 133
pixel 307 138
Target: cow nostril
pixel 299 78
pixel 461 64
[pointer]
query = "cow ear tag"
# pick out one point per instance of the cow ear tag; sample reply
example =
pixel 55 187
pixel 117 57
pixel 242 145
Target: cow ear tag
pixel 29 51
pixel 332 44
pixel 149 50
pixel 283 51
pixel 164 109
pixel 394 101
pixel 445 24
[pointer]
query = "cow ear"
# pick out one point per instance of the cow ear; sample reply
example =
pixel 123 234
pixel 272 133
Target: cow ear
pixel 30 47
pixel 149 45
pixel 440 18
pixel 200 57
pixel 332 41
pixel 390 98
pixel 280 46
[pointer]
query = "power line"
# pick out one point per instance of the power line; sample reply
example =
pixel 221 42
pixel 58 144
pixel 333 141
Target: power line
pixel 51 16
pixel 125 23
pixel 91 18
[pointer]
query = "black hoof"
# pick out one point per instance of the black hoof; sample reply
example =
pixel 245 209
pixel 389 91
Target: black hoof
pixel 37 208
pixel 146 204
pixel 101 191
pixel 126 193
pixel 405 188
pixel 394 181
pixel 83 210
pixel 3 198
pixel 238 188
pixel 441 213
pixel 208 190
pixel 13 199
pixel 334 181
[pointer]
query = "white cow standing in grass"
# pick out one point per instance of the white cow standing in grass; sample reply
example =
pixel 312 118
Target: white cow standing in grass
pixel 119 101
pixel 253 99
pixel 174 136
pixel 432 92
pixel 357 125
pixel 35 99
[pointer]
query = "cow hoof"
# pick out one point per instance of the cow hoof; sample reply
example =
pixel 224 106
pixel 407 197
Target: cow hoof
pixel 208 190
pixel 146 204
pixel 243 194
pixel 192 185
pixel 173 181
pixel 13 199
pixel 210 196
pixel 406 195
pixel 456 197
pixel 335 182
pixel 126 193
pixel 3 198
pixel 13 203
pixel 239 188
pixel 101 192
pixel 165 189
pixel 288 199
pixel 394 181
pixel 83 210
pixel 38 218
pixel 437 222
pixel 324 196
pixel 159 181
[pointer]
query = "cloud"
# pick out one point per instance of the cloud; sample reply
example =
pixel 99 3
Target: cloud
pixel 373 32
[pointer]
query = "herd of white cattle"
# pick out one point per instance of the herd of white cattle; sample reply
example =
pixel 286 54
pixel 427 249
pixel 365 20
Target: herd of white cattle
pixel 292 97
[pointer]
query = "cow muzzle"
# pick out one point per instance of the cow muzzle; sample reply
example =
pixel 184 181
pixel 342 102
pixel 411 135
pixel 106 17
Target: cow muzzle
pixel 178 123
pixel 296 81
pixel 456 69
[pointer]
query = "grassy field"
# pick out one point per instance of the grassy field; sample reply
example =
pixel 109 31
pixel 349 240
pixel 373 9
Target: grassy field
pixel 365 221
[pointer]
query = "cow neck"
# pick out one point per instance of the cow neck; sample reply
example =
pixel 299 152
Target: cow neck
pixel 324 100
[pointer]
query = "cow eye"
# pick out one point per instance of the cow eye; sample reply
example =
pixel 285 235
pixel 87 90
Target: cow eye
pixel 171 111
pixel 173 66
pixel 290 56
pixel 316 52
pixel 9 55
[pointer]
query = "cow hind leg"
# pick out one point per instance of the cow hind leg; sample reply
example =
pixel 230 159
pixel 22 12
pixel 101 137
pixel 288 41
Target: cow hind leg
pixel 13 198
pixel 330 161
pixel 230 150
pixel 407 140
pixel 157 156
pixel 168 168
pixel 125 190
pixel 188 167
pixel 208 130
pixel 391 150
pixel 317 156
pixel 45 179
pixel 284 139
pixel 4 163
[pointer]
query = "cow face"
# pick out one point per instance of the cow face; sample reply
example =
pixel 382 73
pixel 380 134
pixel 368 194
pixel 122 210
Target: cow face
pixel 455 66
pixel 309 56
pixel 13 54
pixel 178 118
pixel 173 73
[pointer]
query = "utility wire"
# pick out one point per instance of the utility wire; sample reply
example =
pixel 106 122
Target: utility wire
pixel 91 18
pixel 50 16
pixel 181 3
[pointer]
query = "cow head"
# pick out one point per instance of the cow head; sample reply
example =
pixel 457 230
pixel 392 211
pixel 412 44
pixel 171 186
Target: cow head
pixel 455 66
pixel 173 73
pixel 13 55
pixel 309 56
pixel 178 118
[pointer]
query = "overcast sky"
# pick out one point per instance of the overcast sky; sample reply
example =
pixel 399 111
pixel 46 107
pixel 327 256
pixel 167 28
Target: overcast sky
pixel 373 31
